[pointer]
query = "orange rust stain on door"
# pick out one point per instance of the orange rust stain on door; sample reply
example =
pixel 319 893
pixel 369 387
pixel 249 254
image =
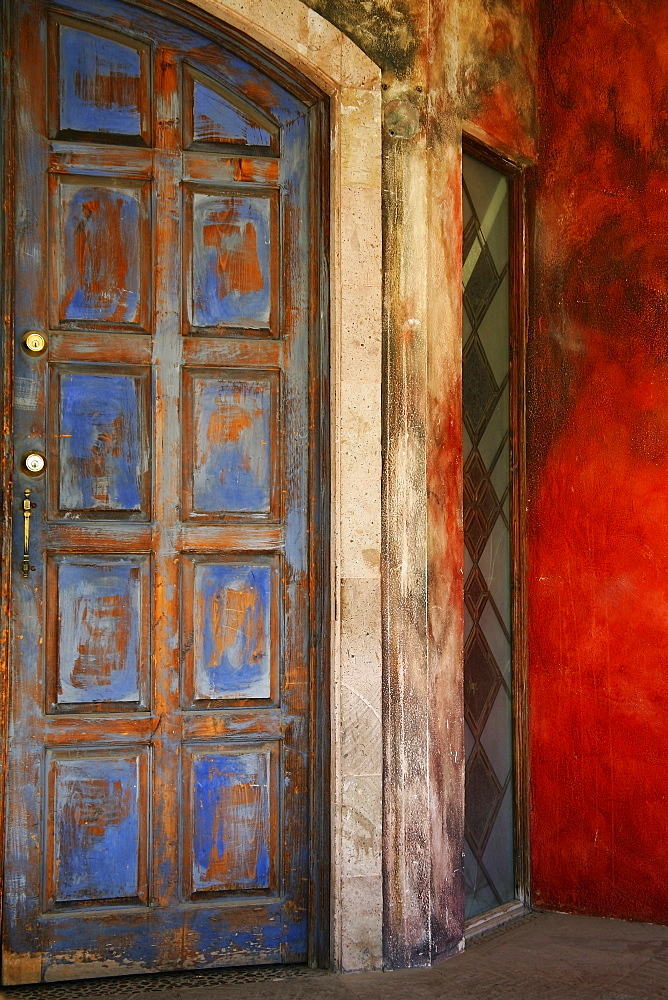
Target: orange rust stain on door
pixel 234 850
pixel 107 626
pixel 238 627
pixel 101 261
pixel 238 265
pixel 228 424
pixel 107 90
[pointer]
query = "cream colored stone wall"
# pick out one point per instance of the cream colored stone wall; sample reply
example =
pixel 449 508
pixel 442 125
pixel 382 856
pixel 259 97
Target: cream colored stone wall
pixel 352 81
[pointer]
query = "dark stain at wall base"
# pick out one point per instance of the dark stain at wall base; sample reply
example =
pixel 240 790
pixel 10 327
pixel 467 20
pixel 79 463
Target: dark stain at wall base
pixel 384 30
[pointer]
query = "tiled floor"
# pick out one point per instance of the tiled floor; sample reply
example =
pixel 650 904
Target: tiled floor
pixel 542 957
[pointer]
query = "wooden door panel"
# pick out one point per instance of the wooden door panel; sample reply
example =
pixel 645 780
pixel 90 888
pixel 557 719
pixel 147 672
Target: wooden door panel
pixel 161 658
pixel 97 633
pixel 231 613
pixel 231 258
pixel 97 820
pixel 100 447
pixel 231 442
pixel 100 256
pixel 103 83
pixel 216 116
pixel 261 105
pixel 231 830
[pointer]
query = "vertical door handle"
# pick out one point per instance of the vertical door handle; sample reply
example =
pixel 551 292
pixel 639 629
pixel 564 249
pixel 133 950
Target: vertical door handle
pixel 27 510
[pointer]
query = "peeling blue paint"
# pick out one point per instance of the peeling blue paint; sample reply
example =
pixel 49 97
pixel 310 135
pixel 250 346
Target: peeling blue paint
pixel 100 450
pixel 232 442
pixel 216 120
pixel 231 248
pixel 100 273
pixel 231 821
pixel 99 637
pixel 96 828
pixel 232 645
pixel 98 77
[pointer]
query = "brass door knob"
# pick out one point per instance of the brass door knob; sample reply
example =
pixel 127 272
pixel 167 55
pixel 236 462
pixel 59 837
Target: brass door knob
pixel 34 463
pixel 34 342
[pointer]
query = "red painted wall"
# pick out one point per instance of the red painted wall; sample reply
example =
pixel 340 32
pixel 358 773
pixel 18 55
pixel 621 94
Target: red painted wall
pixel 598 462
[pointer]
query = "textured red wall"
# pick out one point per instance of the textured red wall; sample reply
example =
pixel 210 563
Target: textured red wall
pixel 497 76
pixel 598 431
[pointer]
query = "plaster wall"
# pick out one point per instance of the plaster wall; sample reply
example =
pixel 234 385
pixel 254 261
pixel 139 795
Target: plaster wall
pixel 598 418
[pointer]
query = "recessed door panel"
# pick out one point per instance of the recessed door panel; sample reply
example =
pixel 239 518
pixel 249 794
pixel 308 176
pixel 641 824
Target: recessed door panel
pixel 231 839
pixel 216 115
pixel 232 444
pixel 232 267
pixel 98 634
pixel 101 447
pixel 163 587
pixel 231 618
pixel 101 254
pixel 97 828
pixel 103 83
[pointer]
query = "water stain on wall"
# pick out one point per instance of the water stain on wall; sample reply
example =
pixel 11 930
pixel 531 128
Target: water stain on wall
pixel 497 69
pixel 384 29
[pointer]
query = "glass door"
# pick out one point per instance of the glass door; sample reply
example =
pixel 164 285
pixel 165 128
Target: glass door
pixel 488 662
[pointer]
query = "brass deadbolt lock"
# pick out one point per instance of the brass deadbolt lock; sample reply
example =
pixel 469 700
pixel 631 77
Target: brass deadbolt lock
pixel 33 463
pixel 34 342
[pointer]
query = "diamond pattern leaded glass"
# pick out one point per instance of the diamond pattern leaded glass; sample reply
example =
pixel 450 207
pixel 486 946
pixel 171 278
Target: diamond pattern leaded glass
pixel 488 867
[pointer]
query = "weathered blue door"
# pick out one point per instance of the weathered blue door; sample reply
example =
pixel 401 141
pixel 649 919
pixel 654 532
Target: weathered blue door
pixel 158 788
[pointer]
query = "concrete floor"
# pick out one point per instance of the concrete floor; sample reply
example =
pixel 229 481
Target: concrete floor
pixel 541 957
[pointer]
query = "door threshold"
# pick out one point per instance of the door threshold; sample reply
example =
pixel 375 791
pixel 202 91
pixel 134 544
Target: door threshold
pixel 170 983
pixel 495 918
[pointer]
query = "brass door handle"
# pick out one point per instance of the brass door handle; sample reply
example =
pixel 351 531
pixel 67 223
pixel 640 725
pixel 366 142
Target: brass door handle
pixel 28 506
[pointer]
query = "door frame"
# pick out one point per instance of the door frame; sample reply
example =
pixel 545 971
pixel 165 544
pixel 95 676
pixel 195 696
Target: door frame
pixel 6 449
pixel 483 147
pixel 320 465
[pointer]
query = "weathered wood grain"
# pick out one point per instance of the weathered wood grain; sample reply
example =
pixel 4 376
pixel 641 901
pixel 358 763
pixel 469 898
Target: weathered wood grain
pixel 159 782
